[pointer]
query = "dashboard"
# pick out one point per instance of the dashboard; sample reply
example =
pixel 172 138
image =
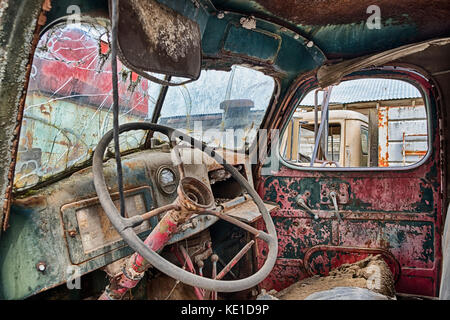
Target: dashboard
pixel 63 227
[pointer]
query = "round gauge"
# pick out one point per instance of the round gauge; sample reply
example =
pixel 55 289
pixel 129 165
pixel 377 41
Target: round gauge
pixel 167 180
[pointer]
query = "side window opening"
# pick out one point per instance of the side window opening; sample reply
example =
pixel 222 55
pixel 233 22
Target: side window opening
pixel 370 123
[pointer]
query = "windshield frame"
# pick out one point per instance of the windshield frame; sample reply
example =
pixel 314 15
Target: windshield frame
pixel 156 113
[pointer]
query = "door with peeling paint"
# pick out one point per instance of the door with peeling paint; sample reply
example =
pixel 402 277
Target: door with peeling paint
pixel 332 215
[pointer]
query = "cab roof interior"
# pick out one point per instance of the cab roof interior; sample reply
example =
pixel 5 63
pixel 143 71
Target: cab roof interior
pixel 337 29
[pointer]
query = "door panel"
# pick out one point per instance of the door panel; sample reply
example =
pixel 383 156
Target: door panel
pixel 396 213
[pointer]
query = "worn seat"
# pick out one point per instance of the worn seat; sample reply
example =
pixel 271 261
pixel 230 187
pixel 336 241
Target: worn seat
pixel 367 279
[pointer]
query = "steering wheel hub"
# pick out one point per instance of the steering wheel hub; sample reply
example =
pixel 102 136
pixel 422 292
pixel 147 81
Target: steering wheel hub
pixel 194 195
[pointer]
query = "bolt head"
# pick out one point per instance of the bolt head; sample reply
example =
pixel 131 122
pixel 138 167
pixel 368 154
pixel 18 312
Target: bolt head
pixel 72 233
pixel 41 266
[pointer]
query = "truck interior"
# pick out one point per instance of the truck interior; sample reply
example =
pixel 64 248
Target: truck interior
pixel 224 150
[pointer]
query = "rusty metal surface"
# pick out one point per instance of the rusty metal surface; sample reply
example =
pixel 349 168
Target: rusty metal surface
pixel 16 50
pixel 339 28
pixel 88 231
pixel 435 62
pixel 383 135
pixel 371 201
pixel 397 214
pixel 396 211
pixel 429 17
pixel 185 260
pixel 163 287
pixel 193 195
pixel 235 260
pixel 234 221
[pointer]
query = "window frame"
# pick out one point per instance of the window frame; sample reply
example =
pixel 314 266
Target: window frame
pixel 410 75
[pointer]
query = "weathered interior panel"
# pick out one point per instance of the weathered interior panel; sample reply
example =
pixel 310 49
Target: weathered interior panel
pixel 395 211
pixel 52 214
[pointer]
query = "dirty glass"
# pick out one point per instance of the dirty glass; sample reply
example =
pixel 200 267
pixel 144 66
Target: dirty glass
pixel 221 108
pixel 364 140
pixel 68 106
pixel 371 123
pixel 334 141
pixel 304 143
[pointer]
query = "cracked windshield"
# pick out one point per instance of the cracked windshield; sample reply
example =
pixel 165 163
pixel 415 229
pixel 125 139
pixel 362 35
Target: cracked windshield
pixel 68 106
pixel 69 102
pixel 222 108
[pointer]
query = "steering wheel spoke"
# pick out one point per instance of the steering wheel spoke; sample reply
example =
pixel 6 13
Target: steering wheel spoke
pixel 235 260
pixel 236 222
pixel 156 212
pixel 136 221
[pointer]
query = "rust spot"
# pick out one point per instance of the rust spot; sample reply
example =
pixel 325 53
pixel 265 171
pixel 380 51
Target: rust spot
pixel 44 110
pixel 29 136
pixel 64 143
pixel 46 6
pixel 380 119
pixel 384 243
pixel 33 201
pixel 382 160
pixel 415 153
pixel 134 165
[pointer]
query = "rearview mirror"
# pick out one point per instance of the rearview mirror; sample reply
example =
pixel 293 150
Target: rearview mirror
pixel 154 38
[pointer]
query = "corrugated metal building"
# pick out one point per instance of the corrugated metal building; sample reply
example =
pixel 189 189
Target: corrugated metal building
pixel 395 106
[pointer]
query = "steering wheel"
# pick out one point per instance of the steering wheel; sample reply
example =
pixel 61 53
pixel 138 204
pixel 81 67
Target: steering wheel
pixel 124 226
